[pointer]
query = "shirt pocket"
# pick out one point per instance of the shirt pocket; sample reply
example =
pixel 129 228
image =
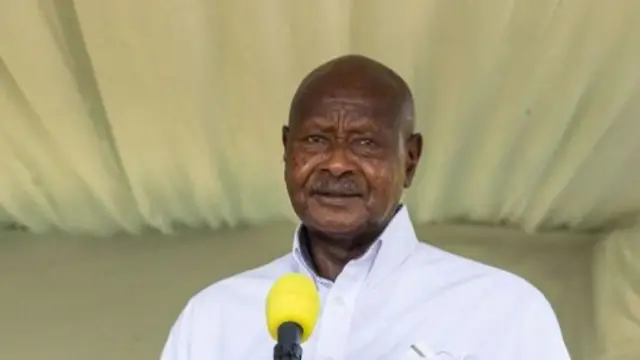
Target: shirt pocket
pixel 421 351
pixel 410 352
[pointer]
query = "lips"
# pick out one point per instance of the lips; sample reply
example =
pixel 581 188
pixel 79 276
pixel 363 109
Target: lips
pixel 335 199
pixel 335 194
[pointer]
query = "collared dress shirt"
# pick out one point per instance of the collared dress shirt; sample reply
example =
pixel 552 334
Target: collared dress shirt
pixel 403 299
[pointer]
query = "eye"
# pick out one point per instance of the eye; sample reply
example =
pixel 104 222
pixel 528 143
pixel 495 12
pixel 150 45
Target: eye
pixel 365 142
pixel 315 139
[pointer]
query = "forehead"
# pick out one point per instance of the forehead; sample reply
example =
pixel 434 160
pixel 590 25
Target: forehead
pixel 349 108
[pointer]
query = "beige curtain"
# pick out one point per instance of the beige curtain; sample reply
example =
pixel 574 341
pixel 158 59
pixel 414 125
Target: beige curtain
pixel 120 115
pixel 617 294
pixel 65 297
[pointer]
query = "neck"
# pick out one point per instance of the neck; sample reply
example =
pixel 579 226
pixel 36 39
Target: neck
pixel 330 255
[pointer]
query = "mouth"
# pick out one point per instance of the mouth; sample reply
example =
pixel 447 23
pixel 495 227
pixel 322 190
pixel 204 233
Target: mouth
pixel 335 199
pixel 336 194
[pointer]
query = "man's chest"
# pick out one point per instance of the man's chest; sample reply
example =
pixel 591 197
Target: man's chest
pixel 371 324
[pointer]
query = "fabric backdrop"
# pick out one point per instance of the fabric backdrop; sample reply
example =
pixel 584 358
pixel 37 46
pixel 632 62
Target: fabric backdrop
pixel 118 116
pixel 77 298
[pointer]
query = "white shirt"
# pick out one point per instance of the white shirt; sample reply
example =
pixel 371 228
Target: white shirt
pixel 402 298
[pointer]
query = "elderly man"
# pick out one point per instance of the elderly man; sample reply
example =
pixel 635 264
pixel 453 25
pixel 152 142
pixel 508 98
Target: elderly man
pixel 350 150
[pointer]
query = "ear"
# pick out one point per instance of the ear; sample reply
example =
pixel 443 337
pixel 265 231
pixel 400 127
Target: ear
pixel 414 151
pixel 285 138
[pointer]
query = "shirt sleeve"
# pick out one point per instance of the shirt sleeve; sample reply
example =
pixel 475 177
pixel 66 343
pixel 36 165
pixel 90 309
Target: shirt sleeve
pixel 196 334
pixel 540 336
pixel 178 343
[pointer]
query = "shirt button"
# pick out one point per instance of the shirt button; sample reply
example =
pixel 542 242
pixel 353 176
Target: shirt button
pixel 339 301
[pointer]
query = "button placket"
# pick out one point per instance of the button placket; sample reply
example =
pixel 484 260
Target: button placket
pixel 336 318
pixel 337 315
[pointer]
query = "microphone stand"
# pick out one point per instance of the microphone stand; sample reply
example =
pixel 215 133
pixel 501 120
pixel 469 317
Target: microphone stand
pixel 288 346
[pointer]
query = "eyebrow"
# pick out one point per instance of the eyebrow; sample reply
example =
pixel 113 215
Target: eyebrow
pixel 347 101
pixel 321 122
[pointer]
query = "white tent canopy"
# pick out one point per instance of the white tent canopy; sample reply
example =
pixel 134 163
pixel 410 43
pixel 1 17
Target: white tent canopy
pixel 119 116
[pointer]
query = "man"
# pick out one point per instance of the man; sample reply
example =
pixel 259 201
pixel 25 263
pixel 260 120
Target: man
pixel 350 150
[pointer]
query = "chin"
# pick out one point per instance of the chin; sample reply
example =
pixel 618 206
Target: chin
pixel 336 225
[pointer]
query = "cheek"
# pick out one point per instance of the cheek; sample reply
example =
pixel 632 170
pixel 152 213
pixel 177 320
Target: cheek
pixel 384 179
pixel 299 168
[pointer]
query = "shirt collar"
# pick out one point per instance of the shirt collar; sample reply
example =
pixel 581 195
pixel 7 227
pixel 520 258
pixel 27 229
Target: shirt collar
pixel 396 243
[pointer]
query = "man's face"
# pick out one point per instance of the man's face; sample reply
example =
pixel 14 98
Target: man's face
pixel 345 164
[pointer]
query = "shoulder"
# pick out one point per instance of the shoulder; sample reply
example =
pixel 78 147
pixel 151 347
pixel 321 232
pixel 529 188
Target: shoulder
pixel 236 298
pixel 495 300
pixel 246 285
pixel 463 276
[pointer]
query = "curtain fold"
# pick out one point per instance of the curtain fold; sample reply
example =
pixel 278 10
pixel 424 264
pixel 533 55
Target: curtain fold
pixel 617 295
pixel 117 116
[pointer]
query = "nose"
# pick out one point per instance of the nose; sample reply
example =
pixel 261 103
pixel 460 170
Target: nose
pixel 338 163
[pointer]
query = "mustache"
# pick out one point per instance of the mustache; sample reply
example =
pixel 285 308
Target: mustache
pixel 333 186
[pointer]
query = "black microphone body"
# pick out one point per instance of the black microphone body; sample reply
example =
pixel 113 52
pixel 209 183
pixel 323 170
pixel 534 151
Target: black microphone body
pixel 288 345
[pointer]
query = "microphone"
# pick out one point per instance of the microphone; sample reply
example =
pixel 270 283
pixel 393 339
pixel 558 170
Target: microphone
pixel 293 306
